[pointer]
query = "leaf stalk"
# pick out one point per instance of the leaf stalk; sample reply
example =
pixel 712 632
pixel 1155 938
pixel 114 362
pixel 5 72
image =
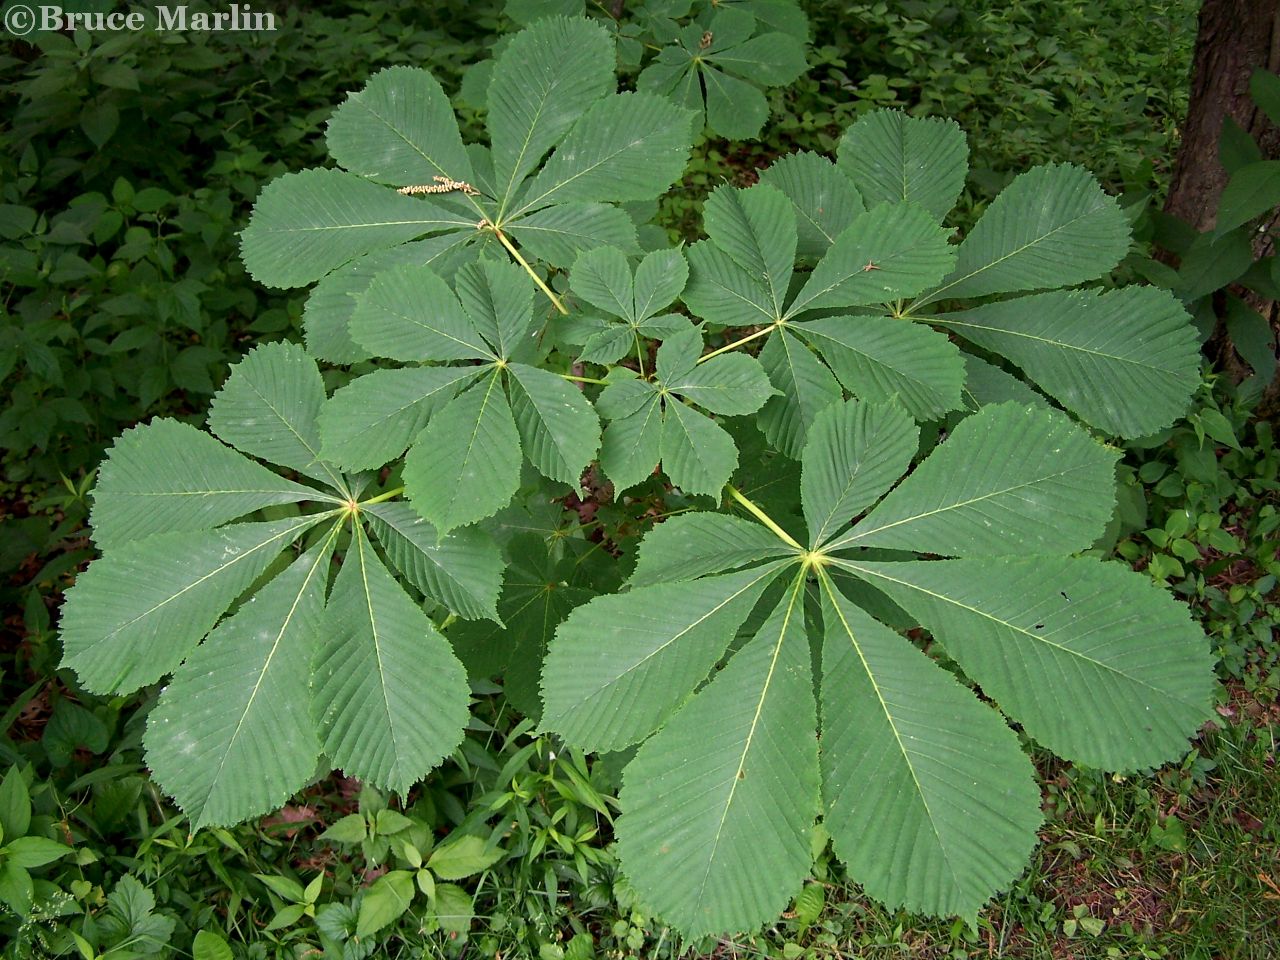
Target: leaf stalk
pixel 511 249
pixel 763 517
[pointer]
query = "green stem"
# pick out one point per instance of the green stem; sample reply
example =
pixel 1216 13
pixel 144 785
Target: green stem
pixel 569 376
pixel 555 301
pixel 737 343
pixel 383 496
pixel 763 517
pixel 639 350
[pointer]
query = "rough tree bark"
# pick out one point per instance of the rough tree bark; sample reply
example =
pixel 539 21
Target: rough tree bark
pixel 1234 38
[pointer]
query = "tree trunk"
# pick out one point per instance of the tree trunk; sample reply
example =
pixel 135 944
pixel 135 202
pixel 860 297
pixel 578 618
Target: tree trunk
pixel 1235 37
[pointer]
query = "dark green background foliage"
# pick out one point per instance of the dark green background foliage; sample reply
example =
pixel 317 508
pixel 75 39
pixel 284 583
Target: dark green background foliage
pixel 128 165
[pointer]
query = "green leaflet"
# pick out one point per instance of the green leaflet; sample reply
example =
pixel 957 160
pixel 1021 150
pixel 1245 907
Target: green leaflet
pixel 242 696
pixel 556 422
pixel 374 418
pixel 630 146
pixel 326 318
pixel 890 252
pixel 559 234
pixel 757 229
pixel 305 224
pixel 399 129
pixel 825 199
pixel 718 807
pixel 1008 480
pixel 548 75
pixel 955 807
pixel 1052 227
pixel 136 613
pixel 269 406
pixel 806 387
pixel 170 476
pixel 409 313
pixel 659 642
pixel 881 358
pixel 694 545
pixel 390 696
pixel 462 570
pixel 465 465
pixel 893 157
pixel 1125 360
pixel 1044 637
pixel 855 453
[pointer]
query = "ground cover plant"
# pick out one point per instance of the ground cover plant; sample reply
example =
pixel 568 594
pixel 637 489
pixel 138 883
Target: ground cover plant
pixel 252 707
pixel 508 848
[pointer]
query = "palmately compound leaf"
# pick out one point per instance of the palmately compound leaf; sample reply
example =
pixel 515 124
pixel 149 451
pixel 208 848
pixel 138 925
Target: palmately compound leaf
pixel 169 476
pixel 565 148
pixel 1125 360
pixel 1008 480
pixel 924 790
pixel 212 739
pixel 1095 661
pixel 719 805
pixel 651 421
pixel 718 70
pixel 390 696
pixel 929 797
pixel 602 277
pixel 894 157
pixel 740 276
pixel 466 426
pixel 237 612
